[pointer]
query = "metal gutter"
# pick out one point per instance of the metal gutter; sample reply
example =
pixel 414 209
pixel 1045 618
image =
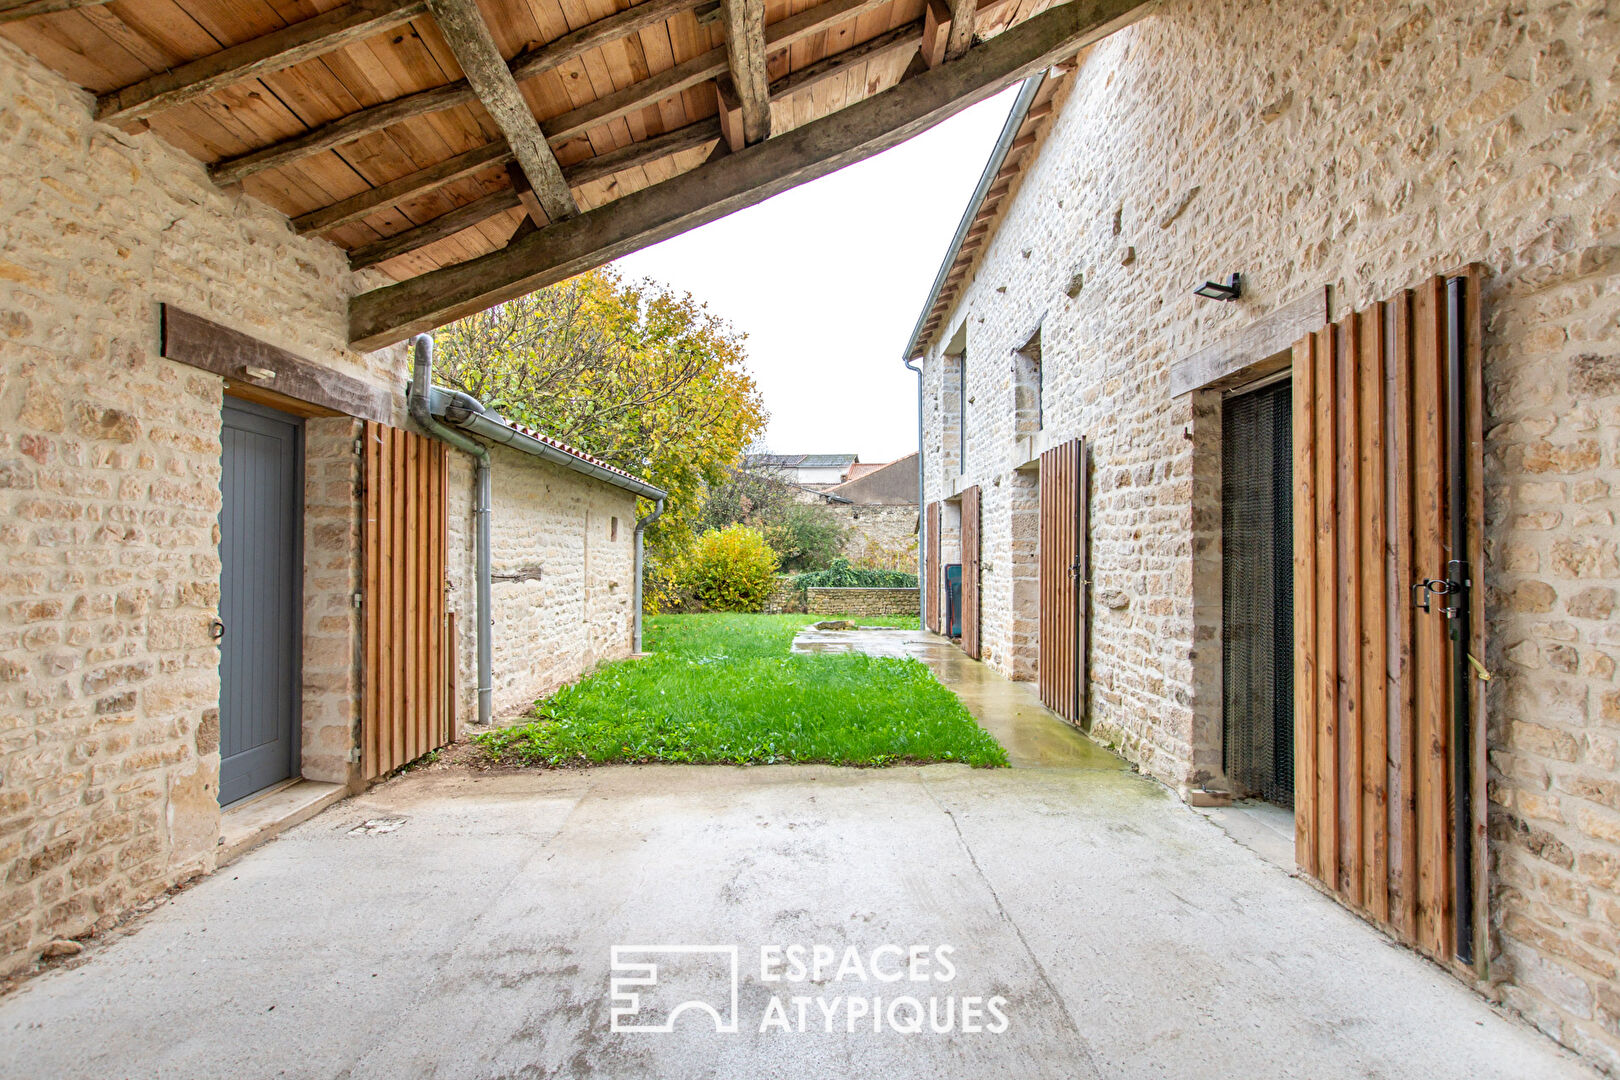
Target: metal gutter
pixel 1009 131
pixel 420 409
pixel 468 413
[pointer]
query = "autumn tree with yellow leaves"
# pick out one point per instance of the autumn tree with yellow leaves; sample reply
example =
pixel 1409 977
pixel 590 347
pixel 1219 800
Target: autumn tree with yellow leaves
pixel 641 377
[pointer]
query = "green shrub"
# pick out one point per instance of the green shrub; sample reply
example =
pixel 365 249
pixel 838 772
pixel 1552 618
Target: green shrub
pixel 731 569
pixel 842 575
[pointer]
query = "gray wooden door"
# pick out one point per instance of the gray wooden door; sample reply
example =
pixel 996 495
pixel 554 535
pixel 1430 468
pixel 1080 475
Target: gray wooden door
pixel 260 549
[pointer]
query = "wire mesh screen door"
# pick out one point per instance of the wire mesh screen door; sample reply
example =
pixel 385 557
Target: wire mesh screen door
pixel 1258 592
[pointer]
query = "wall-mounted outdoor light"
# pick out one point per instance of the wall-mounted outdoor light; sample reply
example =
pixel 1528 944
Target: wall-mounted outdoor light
pixel 1214 290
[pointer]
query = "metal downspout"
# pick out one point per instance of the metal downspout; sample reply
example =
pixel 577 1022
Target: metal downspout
pixel 922 518
pixel 641 564
pixel 421 383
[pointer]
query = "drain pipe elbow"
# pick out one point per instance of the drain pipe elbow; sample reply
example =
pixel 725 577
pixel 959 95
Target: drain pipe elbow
pixel 922 518
pixel 421 386
pixel 641 564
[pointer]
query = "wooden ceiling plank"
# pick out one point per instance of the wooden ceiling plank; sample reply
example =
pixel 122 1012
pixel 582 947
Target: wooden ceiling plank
pixel 475 50
pixel 259 56
pixel 700 69
pixel 571 46
pixel 734 181
pixel 900 39
pixel 367 121
pixel 745 60
pixel 405 187
pixel 12 10
pixel 479 210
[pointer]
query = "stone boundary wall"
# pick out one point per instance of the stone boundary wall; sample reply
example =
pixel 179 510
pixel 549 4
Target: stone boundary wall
pixel 787 599
pixel 860 601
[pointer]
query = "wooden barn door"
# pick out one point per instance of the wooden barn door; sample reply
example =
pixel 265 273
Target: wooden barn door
pixel 1061 668
pixel 970 572
pixel 931 577
pixel 1378 772
pixel 408 656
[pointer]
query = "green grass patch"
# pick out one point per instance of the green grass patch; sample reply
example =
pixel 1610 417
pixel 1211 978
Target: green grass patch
pixel 724 690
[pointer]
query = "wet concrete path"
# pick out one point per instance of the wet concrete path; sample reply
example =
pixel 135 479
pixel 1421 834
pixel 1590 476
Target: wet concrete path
pixel 456 924
pixel 1011 711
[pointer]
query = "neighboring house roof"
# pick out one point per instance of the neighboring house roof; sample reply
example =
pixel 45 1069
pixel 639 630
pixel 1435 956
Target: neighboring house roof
pixel 800 461
pixel 861 468
pixel 894 484
pixel 468 414
pixel 1014 152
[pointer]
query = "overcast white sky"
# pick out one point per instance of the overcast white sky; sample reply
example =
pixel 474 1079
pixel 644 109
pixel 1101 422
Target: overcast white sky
pixel 827 281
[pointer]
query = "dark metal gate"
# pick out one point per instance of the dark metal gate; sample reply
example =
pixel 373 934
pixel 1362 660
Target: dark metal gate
pixel 970 571
pixel 1257 605
pixel 261 556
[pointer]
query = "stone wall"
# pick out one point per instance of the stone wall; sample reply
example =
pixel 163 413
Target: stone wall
pixel 1363 147
pixel 563 559
pixel 860 601
pixel 109 496
pixel 330 707
pixel 881 536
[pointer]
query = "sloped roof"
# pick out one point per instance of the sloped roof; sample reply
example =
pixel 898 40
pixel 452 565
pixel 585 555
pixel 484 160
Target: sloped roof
pixel 428 137
pixel 800 461
pixel 1015 150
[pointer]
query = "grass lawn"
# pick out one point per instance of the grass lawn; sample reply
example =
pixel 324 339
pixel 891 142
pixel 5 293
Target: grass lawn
pixel 724 690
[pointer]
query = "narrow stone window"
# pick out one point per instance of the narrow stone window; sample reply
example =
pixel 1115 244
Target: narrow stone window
pixel 613 528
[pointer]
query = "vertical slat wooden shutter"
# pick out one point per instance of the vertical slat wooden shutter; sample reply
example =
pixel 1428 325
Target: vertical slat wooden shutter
pixel 407 654
pixel 970 572
pixel 1372 710
pixel 1060 668
pixel 931 577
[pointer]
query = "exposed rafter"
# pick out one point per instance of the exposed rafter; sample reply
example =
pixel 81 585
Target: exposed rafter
pixel 745 61
pixel 480 210
pixel 936 32
pixel 632 98
pixel 964 20
pixel 12 10
pixel 474 46
pixel 739 179
pixel 306 40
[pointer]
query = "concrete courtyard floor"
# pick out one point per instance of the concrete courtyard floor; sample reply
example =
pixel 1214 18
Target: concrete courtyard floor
pixel 459 924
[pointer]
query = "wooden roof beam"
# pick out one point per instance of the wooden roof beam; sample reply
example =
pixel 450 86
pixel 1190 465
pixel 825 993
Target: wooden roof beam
pixel 745 61
pixel 12 10
pixel 370 120
pixel 734 181
pixel 936 32
pixel 964 20
pixel 306 40
pixel 481 61
pixel 480 210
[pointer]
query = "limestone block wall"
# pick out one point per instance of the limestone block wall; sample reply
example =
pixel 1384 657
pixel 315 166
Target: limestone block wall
pixel 848 600
pixel 330 708
pixel 1362 147
pixel 563 557
pixel 109 496
pixel 880 536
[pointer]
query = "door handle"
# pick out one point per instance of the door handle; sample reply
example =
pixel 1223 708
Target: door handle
pixel 216 629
